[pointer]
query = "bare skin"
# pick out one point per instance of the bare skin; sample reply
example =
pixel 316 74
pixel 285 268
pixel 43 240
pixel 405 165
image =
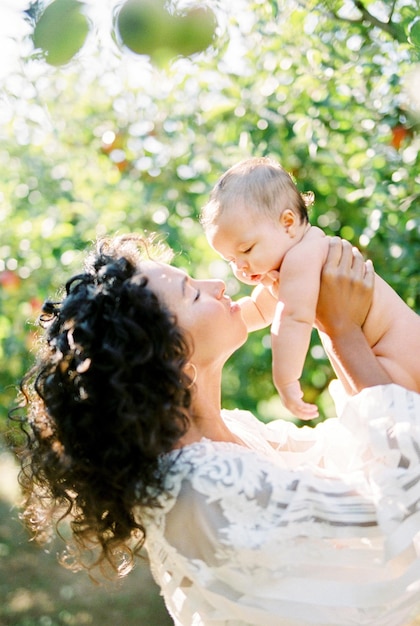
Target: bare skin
pixel 217 328
pixel 346 343
pixel 257 247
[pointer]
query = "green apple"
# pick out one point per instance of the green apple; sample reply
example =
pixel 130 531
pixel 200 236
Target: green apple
pixel 61 31
pixel 143 25
pixel 193 31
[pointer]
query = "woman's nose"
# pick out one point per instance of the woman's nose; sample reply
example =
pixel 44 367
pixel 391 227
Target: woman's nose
pixel 216 288
pixel 213 287
pixel 220 288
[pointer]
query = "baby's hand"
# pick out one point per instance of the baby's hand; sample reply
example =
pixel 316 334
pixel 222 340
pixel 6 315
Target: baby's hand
pixel 271 281
pixel 291 396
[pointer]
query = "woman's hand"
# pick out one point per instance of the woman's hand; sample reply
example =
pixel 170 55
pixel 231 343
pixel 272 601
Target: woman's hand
pixel 345 297
pixel 346 289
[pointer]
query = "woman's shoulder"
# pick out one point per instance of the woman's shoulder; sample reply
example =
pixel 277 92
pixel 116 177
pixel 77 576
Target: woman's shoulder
pixel 213 465
pixel 192 457
pixel 241 416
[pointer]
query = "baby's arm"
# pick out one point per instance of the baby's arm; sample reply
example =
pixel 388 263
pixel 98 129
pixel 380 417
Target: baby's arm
pixel 258 308
pixel 293 321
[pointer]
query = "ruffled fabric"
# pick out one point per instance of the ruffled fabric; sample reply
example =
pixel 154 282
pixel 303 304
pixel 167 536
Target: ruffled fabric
pixel 302 527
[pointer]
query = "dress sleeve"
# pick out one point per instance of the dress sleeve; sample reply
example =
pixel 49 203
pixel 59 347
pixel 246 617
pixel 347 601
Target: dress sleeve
pixel 280 547
pixel 387 422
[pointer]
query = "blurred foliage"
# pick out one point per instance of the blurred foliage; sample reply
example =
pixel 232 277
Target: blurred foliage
pixel 110 142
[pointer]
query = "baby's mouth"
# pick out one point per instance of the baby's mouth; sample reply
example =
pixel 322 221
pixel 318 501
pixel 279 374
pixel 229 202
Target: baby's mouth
pixel 251 279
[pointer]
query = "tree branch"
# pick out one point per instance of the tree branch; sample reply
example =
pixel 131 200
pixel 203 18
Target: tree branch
pixel 391 13
pixel 388 27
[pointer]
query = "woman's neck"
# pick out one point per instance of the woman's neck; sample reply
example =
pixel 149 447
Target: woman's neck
pixel 206 418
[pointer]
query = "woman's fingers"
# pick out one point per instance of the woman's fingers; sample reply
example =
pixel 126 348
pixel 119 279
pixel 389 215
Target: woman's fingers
pixel 345 258
pixel 346 288
pixel 334 252
pixel 369 274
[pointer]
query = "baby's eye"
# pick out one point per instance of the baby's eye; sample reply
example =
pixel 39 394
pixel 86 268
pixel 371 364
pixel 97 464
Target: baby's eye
pixel 248 250
pixel 197 295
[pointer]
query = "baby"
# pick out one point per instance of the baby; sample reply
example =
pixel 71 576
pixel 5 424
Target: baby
pixel 257 220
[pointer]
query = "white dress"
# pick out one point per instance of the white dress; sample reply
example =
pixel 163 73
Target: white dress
pixel 310 526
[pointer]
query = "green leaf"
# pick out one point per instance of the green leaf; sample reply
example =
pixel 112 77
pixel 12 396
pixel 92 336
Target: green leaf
pixel 414 32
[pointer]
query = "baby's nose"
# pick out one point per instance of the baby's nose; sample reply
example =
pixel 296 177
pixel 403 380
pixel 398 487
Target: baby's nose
pixel 241 264
pixel 238 272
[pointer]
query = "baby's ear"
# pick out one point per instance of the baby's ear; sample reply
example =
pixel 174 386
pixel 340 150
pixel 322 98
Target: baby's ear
pixel 288 221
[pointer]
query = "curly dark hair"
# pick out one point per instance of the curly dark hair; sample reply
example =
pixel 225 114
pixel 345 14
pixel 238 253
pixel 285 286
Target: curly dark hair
pixel 106 399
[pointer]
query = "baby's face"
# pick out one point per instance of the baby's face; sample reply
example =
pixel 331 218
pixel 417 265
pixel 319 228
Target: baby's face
pixel 254 244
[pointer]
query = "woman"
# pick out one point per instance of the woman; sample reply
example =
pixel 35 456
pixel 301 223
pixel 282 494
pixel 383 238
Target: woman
pixel 243 523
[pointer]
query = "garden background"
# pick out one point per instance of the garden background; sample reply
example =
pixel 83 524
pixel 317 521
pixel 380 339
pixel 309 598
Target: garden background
pixel 98 139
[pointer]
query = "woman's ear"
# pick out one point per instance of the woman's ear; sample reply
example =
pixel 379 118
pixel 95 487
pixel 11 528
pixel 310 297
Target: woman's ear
pixel 288 221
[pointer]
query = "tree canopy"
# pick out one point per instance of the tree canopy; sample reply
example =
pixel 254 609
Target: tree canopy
pixel 105 139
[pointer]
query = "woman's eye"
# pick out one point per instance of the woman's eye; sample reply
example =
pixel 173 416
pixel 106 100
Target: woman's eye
pixel 197 295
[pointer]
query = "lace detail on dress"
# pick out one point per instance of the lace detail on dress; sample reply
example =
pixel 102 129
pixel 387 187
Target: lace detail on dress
pixel 245 539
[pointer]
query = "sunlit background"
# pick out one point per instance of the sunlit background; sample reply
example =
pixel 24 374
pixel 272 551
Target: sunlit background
pixel 112 140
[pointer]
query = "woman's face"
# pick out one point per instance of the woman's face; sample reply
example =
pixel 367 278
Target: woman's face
pixel 201 307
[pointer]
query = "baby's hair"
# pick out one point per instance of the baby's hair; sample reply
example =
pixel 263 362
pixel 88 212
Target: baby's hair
pixel 259 183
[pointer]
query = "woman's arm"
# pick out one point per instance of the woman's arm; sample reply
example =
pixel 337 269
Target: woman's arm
pixel 344 301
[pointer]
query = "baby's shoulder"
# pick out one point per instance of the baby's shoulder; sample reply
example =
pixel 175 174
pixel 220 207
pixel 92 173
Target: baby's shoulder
pixel 312 247
pixel 315 235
